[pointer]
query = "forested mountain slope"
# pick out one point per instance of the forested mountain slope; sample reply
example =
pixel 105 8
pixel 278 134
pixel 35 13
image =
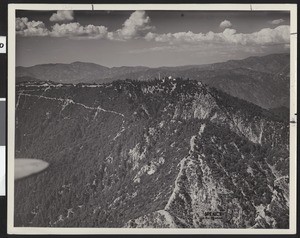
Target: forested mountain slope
pixel 161 153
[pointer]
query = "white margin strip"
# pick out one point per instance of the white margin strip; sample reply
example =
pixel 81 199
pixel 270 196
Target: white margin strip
pixel 205 7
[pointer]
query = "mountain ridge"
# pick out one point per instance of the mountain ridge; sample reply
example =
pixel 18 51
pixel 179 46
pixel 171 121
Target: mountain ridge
pixel 220 162
pixel 260 80
pixel 178 66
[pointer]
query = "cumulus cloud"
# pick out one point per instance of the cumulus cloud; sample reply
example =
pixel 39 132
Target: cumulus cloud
pixel 75 30
pixel 24 27
pixel 266 36
pixel 277 21
pixel 62 15
pixel 137 25
pixel 225 24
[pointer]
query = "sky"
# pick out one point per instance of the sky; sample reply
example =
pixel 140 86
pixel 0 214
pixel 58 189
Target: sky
pixel 148 38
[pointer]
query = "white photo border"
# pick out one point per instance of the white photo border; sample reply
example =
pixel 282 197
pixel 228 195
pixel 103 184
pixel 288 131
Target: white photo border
pixel 292 8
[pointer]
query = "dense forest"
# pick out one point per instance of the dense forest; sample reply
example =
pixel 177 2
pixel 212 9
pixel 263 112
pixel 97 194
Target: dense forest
pixel 139 154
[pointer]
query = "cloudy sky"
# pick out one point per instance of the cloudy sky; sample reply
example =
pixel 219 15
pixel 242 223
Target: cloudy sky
pixel 148 38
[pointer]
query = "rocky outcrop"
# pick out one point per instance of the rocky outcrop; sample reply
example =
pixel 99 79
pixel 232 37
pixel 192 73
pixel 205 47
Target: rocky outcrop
pixel 164 153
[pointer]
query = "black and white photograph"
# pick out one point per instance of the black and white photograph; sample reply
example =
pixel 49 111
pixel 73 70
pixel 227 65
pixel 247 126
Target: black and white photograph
pixel 162 119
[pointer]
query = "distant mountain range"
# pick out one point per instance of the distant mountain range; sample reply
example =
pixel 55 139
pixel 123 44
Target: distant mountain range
pixel 260 80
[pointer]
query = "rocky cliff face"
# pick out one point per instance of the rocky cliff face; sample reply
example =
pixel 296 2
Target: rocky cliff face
pixel 163 153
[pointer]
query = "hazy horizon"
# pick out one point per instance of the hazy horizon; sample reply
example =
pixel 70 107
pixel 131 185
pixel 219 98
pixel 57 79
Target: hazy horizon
pixel 163 66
